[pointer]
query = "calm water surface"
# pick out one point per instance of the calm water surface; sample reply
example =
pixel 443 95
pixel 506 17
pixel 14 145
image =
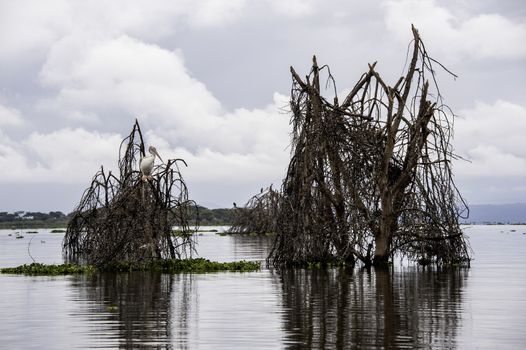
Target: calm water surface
pixel 407 307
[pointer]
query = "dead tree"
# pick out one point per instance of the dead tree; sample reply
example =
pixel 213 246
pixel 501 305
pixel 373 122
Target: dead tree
pixel 370 176
pixel 258 215
pixel 123 218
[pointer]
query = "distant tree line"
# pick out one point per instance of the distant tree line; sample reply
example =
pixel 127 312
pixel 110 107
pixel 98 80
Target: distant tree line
pixel 29 215
pixel 212 217
pixel 23 219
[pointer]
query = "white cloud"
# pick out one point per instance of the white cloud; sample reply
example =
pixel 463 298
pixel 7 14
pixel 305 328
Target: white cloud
pixel 248 131
pixel 10 116
pixel 293 8
pixel 12 161
pixel 246 146
pixel 210 166
pixel 63 156
pixel 30 26
pixel 125 77
pixel 455 36
pixel 492 137
pixel 490 161
pixel 101 64
pixel 215 12
pixel 103 76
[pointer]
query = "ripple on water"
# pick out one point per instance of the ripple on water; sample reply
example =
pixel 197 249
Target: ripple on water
pixel 407 307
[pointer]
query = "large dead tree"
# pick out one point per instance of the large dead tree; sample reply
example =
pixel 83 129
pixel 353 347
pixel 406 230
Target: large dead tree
pixel 370 176
pixel 125 218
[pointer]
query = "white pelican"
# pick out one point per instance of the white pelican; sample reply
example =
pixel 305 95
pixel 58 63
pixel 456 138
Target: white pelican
pixel 146 163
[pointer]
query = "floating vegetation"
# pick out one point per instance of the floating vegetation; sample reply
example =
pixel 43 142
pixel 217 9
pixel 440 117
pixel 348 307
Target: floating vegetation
pixel 49 270
pixel 185 265
pixel 58 230
pixel 19 237
pixel 31 232
pixel 181 233
pixel 250 234
pixel 198 265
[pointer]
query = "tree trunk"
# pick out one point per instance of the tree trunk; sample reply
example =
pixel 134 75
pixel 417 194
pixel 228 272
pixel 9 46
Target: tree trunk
pixel 386 227
pixel 382 249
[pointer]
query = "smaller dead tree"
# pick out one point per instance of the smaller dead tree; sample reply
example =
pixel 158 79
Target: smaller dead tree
pixel 127 219
pixel 258 215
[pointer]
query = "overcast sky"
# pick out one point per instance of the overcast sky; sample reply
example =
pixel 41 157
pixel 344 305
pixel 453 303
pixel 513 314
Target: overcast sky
pixel 209 80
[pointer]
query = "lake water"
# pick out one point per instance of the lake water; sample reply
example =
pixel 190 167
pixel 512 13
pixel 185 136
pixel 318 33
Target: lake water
pixel 407 307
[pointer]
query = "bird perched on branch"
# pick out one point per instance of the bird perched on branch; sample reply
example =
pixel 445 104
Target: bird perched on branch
pixel 146 163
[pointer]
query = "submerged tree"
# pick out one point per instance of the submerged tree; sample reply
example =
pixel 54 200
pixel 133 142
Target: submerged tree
pixel 370 176
pixel 128 218
pixel 259 213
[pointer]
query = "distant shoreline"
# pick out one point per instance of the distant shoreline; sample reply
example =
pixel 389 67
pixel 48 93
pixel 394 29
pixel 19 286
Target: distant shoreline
pixel 480 214
pixel 62 224
pixel 34 220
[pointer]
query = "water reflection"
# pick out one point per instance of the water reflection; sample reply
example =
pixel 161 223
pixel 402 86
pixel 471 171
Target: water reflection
pixel 402 308
pixel 251 247
pixel 407 308
pixel 136 310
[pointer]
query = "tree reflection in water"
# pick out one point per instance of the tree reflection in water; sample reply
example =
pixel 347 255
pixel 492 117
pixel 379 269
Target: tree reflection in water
pixel 135 309
pixel 404 308
pixel 251 247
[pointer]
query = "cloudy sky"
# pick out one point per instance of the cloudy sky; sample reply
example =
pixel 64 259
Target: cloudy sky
pixel 209 81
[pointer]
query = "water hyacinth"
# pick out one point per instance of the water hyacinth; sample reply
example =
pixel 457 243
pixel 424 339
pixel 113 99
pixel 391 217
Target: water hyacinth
pixel 198 265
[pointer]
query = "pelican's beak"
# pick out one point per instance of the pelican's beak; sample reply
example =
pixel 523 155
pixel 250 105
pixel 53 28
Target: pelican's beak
pixel 158 156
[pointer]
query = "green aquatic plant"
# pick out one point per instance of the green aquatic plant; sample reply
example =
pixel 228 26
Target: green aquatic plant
pixel 49 270
pixel 181 233
pixel 58 230
pixel 198 265
pixel 183 265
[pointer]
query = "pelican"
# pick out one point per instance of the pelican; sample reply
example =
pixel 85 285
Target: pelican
pixel 146 163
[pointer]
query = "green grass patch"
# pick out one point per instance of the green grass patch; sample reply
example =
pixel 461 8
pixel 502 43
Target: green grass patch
pixel 198 265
